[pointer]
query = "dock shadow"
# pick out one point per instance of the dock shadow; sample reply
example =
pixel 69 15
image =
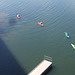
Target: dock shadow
pixel 8 63
pixel 47 70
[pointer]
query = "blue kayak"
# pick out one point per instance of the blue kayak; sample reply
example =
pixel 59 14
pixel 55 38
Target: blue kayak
pixel 66 34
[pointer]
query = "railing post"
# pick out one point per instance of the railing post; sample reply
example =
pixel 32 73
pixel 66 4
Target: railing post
pixel 47 58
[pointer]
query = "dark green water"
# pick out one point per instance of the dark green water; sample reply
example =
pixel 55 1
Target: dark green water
pixel 28 42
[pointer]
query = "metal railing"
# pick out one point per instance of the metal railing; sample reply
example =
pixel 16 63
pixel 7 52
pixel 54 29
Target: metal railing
pixel 47 58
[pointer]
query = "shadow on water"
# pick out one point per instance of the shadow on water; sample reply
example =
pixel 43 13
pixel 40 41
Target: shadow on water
pixel 8 64
pixel 12 21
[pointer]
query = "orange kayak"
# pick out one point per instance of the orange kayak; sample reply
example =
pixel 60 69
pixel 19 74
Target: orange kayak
pixel 40 23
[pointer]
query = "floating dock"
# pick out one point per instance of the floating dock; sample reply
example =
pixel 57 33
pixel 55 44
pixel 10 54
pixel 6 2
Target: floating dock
pixel 42 67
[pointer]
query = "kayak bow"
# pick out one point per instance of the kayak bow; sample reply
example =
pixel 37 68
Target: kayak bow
pixel 73 46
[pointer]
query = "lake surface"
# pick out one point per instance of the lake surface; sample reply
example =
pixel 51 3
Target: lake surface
pixel 28 42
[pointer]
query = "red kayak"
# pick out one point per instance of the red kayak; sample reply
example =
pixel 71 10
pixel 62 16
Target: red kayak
pixel 18 16
pixel 40 23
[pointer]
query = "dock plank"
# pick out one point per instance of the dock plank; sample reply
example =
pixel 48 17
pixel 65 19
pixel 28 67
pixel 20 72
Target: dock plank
pixel 38 70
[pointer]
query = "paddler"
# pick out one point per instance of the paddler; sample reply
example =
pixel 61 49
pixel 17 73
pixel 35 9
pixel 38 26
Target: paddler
pixel 18 16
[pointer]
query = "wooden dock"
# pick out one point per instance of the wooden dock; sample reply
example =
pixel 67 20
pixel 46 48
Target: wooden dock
pixel 42 67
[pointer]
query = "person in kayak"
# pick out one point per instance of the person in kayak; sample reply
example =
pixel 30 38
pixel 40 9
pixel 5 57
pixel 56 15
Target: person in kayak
pixel 40 23
pixel 18 16
pixel 66 34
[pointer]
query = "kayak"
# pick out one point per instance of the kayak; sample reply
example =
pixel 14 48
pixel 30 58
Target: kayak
pixel 66 34
pixel 73 46
pixel 40 23
pixel 18 16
